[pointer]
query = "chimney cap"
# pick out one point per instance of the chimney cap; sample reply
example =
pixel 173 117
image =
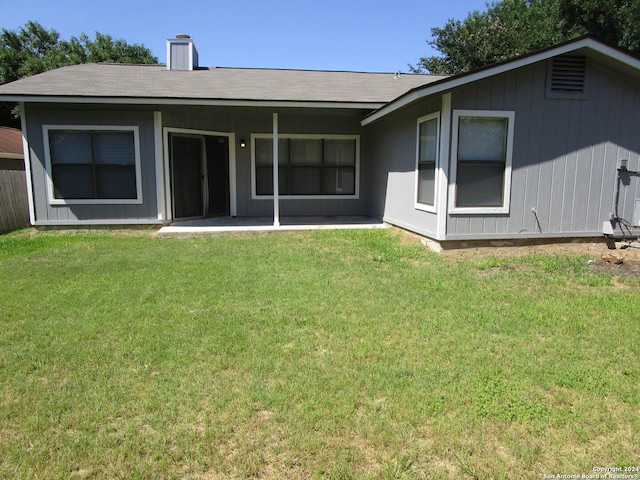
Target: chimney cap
pixel 183 35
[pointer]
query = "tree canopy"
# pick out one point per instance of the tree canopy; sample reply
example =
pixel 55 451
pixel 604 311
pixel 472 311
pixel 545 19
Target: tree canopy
pixel 509 28
pixel 33 49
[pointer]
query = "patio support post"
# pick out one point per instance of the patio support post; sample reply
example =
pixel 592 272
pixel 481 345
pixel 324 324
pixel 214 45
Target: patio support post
pixel 276 190
pixel 157 139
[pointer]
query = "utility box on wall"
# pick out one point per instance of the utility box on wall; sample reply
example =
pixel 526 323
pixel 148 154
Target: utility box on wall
pixel 636 213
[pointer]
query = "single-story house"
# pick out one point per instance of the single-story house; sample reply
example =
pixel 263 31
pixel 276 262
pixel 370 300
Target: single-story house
pixel 542 146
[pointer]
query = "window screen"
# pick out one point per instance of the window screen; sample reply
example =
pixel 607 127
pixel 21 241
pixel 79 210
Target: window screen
pixel 427 155
pixel 482 145
pixel 307 166
pixel 93 164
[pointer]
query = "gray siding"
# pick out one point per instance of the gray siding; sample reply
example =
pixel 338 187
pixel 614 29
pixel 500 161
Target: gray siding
pixel 565 157
pixel 179 56
pixel 45 213
pixel 565 153
pixel 240 121
pixel 391 147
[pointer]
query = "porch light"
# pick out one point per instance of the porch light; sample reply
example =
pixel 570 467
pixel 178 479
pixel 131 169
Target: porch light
pixel 243 143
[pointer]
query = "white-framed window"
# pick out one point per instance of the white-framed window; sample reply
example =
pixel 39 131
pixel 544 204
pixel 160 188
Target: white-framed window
pixel 309 166
pixel 427 151
pixel 93 164
pixel 482 150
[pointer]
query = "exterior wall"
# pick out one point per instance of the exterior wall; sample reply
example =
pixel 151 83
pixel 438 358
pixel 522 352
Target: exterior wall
pixel 565 153
pixel 45 213
pixel 564 164
pixel 240 121
pixel 244 122
pixel 391 148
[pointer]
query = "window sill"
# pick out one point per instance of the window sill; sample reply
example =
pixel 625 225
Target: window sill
pixel 479 211
pixel 306 197
pixel 59 201
pixel 425 208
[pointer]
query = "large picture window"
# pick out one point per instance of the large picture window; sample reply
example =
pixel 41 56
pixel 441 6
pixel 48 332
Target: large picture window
pixel 308 166
pixel 93 165
pixel 427 155
pixel 482 150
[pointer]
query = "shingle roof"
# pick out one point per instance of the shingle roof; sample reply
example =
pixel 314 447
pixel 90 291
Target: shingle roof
pixel 10 141
pixel 156 82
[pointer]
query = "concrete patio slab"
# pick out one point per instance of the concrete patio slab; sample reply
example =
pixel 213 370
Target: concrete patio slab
pixel 226 225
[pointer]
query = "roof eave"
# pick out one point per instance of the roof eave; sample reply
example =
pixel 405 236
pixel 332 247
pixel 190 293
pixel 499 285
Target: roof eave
pixel 190 101
pixel 518 62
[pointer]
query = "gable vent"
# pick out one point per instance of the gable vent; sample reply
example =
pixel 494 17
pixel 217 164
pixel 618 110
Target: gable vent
pixel 568 74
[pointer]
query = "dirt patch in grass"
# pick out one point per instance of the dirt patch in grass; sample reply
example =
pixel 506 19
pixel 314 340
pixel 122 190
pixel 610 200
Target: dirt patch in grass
pixel 624 261
pixel 629 258
pixel 628 267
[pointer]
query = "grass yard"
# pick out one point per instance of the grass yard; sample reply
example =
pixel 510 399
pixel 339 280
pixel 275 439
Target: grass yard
pixel 310 355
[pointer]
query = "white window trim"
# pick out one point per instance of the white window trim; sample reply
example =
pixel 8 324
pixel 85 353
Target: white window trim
pixel 425 206
pixel 510 116
pixel 255 196
pixel 101 201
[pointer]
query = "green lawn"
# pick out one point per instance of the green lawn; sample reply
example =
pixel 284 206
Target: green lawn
pixel 309 355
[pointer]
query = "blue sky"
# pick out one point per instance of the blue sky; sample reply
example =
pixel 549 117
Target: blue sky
pixel 359 35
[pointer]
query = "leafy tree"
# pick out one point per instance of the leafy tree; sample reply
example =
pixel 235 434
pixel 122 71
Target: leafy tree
pixel 514 27
pixel 28 51
pixel 105 49
pixel 33 49
pixel 614 21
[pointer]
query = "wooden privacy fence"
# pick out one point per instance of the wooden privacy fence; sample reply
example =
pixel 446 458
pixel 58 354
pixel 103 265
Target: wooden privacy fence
pixel 14 209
